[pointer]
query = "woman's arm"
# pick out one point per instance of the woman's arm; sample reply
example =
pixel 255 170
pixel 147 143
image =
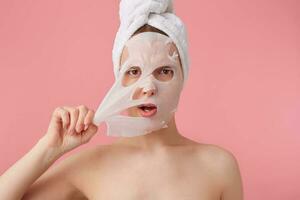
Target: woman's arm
pixel 17 179
pixel 233 187
pixel 69 128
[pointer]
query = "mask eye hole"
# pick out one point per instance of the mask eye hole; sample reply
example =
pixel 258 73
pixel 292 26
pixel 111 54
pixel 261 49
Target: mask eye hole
pixel 164 73
pixel 131 75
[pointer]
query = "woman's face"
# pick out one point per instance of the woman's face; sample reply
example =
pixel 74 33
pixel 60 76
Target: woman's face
pixel 158 55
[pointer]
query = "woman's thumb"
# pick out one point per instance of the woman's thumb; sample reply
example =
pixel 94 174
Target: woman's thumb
pixel 89 133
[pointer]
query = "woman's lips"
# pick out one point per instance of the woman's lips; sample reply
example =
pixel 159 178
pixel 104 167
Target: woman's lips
pixel 147 110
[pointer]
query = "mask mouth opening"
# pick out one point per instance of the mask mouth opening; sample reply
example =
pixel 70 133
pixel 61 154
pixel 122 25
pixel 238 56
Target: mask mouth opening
pixel 147 107
pixel 143 110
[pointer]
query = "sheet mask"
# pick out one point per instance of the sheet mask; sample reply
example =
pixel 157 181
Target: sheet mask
pixel 148 51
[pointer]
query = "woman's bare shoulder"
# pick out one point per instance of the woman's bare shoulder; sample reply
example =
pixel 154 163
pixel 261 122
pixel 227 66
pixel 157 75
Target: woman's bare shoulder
pixel 226 169
pixel 64 177
pixel 215 150
pixel 215 153
pixel 90 158
pixel 221 160
pixel 85 157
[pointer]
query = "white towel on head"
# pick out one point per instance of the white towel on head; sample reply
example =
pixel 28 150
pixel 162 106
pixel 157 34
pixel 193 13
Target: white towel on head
pixel 157 13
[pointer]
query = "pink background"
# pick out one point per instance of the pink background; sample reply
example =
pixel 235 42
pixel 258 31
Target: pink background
pixel 243 93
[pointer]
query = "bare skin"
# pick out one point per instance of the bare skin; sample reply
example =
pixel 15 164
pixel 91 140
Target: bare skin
pixel 160 165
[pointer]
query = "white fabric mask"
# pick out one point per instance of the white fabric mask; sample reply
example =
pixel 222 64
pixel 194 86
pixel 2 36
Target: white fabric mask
pixel 149 51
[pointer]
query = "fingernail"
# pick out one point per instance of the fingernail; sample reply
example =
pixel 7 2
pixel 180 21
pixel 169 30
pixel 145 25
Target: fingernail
pixel 85 126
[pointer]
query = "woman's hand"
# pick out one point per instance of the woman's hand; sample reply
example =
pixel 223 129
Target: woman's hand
pixel 69 128
pixel 65 132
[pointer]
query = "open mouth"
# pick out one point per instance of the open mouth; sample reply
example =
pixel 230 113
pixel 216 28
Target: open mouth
pixel 147 110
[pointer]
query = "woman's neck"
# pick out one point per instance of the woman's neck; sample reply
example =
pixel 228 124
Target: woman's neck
pixel 160 138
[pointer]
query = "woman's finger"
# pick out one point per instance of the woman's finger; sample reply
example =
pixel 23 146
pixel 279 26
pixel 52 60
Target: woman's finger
pixel 65 118
pixel 61 115
pixel 83 110
pixel 74 113
pixel 89 133
pixel 88 119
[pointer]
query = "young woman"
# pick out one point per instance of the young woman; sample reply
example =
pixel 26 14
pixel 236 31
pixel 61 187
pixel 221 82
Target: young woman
pixel 161 164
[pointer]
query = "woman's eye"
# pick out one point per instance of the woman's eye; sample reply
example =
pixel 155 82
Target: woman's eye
pixel 133 72
pixel 131 76
pixel 164 73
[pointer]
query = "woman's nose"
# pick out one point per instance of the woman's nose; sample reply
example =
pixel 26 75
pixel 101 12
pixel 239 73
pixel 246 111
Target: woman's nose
pixel 145 90
pixel 148 92
pixel 148 89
